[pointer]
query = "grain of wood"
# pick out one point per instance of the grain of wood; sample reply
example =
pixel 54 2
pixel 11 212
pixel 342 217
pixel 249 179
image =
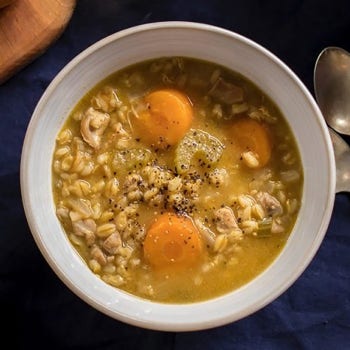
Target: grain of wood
pixel 27 28
pixel 4 3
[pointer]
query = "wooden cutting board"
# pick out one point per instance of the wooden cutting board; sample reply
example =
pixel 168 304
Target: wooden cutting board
pixel 27 28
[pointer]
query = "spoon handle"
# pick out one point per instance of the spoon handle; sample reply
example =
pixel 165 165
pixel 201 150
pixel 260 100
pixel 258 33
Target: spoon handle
pixel 342 159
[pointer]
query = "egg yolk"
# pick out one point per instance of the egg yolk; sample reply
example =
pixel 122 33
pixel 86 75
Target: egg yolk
pixel 172 242
pixel 166 118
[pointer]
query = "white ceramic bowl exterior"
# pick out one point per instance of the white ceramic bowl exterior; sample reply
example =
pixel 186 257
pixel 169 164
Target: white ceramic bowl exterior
pixel 208 43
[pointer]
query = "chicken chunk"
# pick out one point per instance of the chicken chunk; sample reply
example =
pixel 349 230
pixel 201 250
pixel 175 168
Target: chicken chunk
pixel 93 125
pixel 225 220
pixel 98 255
pixel 270 204
pixel 85 228
pixel 112 243
pixel 226 92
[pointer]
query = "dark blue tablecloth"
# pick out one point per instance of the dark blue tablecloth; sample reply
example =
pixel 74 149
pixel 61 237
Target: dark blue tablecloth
pixel 37 311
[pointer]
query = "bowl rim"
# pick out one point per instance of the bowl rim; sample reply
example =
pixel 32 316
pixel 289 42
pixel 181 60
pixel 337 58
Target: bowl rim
pixel 186 325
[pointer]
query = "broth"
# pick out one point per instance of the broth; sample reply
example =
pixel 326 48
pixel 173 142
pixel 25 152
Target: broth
pixel 177 180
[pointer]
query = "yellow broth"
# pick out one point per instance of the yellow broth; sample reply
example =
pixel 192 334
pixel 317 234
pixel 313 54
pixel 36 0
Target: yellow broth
pixel 110 184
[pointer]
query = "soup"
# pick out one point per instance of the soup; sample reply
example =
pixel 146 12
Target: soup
pixel 177 180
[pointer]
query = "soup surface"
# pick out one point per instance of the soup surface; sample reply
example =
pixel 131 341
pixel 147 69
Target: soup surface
pixel 177 180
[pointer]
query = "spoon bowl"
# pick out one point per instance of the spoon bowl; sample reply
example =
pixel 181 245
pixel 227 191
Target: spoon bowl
pixel 332 87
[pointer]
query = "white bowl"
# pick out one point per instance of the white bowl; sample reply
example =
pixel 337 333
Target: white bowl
pixel 212 44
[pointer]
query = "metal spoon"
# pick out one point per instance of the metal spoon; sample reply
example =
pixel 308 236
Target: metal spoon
pixel 332 87
pixel 332 91
pixel 342 160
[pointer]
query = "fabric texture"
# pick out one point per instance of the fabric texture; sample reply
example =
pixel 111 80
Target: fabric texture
pixel 39 311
